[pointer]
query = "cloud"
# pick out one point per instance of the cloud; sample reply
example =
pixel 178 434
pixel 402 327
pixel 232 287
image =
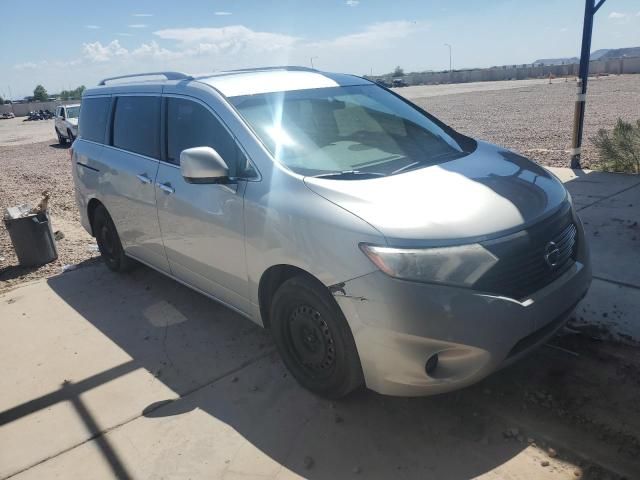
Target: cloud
pixel 617 15
pixel 142 15
pixel 138 25
pixel 26 66
pixel 96 52
pixel 376 34
pixel 220 14
pixel 231 38
pixel 92 27
pixel 239 45
pixel 352 3
pixel 236 46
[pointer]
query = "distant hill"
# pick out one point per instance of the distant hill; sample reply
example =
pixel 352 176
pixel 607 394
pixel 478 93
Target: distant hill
pixel 619 53
pixel 602 54
pixel 599 53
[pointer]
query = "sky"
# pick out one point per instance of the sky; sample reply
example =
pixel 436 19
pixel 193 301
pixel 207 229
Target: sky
pixel 62 48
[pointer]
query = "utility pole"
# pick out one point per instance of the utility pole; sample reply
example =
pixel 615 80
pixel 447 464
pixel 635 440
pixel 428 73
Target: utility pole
pixel 311 60
pixel 590 9
pixel 450 64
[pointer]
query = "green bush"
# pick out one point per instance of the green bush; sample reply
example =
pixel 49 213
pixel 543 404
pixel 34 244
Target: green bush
pixel 620 149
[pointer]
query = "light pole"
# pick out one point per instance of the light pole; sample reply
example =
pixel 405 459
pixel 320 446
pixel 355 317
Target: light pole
pixel 590 9
pixel 311 60
pixel 450 64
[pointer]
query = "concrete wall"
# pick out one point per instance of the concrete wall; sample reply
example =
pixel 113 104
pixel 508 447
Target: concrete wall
pixel 23 109
pixel 519 72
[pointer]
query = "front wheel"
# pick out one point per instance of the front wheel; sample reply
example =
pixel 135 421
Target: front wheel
pixel 61 139
pixel 314 338
pixel 109 242
pixel 70 136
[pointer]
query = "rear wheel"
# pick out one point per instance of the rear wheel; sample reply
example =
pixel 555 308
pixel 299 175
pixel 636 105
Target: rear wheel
pixel 109 242
pixel 314 338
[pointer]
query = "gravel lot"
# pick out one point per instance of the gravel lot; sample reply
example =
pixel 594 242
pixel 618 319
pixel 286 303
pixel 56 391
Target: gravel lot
pixel 529 116
pixel 15 131
pixel 536 120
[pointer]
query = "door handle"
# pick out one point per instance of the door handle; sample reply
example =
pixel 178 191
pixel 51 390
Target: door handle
pixel 143 178
pixel 166 188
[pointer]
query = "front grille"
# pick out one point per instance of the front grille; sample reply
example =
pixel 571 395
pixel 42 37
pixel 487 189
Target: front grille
pixel 521 268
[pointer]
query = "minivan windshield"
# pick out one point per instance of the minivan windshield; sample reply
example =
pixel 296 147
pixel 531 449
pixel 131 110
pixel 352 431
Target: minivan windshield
pixel 351 132
pixel 72 112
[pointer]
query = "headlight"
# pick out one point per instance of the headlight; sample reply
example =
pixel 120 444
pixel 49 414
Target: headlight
pixel 462 265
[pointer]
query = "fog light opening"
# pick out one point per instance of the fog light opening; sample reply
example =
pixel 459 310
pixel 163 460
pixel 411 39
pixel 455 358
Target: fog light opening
pixel 431 365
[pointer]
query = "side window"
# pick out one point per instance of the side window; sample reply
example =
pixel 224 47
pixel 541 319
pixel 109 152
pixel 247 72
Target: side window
pixel 189 124
pixel 92 123
pixel 136 125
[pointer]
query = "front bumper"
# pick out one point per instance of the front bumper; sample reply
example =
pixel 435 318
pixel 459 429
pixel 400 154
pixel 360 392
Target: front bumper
pixel 397 325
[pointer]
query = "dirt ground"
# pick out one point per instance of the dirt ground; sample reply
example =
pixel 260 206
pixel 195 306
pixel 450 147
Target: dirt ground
pixel 15 131
pixel 537 119
pixel 27 170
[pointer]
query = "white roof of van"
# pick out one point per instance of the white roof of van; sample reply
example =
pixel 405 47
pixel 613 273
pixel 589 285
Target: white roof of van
pixel 250 82
pixel 236 83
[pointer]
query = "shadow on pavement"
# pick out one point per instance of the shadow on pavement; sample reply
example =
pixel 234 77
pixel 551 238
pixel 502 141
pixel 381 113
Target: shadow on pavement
pixel 223 364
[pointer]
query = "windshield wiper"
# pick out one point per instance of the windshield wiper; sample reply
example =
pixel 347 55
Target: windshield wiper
pixel 423 162
pixel 346 174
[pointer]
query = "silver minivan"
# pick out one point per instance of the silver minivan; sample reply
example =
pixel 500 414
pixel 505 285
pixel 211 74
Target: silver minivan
pixel 378 245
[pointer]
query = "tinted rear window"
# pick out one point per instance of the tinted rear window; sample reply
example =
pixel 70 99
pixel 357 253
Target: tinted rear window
pixel 94 112
pixel 136 125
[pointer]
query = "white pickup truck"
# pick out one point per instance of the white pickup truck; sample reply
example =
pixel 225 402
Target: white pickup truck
pixel 66 123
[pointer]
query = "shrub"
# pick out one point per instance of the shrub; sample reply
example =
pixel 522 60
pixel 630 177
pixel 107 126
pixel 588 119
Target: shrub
pixel 620 149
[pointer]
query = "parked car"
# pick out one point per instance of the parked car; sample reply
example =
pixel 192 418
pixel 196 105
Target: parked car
pixel 378 245
pixel 66 123
pixel 398 82
pixel 7 115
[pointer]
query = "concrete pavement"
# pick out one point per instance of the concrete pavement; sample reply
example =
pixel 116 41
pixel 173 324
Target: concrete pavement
pixel 136 376
pixel 609 205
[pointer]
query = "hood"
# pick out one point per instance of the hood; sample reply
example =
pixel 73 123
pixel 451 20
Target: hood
pixel 73 121
pixel 485 194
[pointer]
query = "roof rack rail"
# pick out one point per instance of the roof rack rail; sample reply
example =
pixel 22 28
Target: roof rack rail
pixel 277 67
pixel 167 75
pixel 293 68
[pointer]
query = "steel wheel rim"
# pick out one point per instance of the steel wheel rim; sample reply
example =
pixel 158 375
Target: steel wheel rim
pixel 311 341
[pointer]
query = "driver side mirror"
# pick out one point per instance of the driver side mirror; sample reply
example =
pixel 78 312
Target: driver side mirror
pixel 203 165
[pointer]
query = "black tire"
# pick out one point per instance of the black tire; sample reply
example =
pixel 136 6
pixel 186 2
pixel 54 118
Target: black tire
pixel 314 338
pixel 109 242
pixel 61 139
pixel 70 136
